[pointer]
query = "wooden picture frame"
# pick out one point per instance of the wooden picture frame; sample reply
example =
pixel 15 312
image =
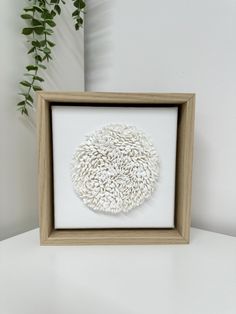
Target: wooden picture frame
pixel 185 131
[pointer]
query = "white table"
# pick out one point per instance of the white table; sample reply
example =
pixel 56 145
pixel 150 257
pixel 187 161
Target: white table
pixel 197 278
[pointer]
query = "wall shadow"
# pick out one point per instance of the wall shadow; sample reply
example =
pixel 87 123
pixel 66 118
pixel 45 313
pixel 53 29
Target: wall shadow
pixel 97 41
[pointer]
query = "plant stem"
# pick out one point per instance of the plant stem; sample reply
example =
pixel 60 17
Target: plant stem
pixel 24 109
pixel 39 16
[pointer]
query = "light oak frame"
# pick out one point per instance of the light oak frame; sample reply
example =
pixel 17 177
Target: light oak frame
pixel 185 131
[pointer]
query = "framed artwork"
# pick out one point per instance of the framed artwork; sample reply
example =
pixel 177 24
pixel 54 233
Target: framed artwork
pixel 115 168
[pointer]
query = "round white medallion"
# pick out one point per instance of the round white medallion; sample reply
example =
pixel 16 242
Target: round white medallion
pixel 116 169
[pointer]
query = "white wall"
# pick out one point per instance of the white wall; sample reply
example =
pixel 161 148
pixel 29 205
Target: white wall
pixel 18 166
pixel 176 46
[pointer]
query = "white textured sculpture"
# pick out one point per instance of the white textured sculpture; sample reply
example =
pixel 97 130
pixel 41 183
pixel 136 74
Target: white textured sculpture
pixel 115 169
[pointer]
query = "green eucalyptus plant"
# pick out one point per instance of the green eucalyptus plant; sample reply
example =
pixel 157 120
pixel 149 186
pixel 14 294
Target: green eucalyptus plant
pixel 39 16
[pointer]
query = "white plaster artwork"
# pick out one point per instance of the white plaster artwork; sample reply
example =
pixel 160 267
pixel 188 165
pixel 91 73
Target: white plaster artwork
pixel 116 169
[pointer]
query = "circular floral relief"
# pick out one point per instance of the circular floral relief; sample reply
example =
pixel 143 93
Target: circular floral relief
pixel 115 169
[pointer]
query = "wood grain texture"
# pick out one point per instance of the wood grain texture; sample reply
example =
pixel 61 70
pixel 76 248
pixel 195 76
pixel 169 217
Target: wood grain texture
pixel 114 236
pixel 116 98
pixel 184 158
pixel 180 234
pixel 45 179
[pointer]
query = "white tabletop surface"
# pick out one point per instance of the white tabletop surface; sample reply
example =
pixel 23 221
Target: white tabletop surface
pixel 197 278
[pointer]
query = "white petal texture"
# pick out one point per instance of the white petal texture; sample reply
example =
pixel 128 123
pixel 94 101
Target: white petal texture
pixel 115 170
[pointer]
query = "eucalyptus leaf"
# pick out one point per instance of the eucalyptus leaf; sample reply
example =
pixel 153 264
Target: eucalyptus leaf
pixel 43 43
pixel 32 67
pixel 36 43
pixel 82 4
pixel 38 8
pixel 21 103
pixel 51 44
pixel 46 15
pixel 75 13
pixel 53 13
pixel 31 50
pixel 30 9
pixel 25 83
pixel 36 88
pixel 29 74
pixel 27 31
pixel 29 97
pixel 38 78
pixel 38 58
pixel 26 16
pixel 47 57
pixel 57 9
pixel 36 22
pixel 24 111
pixel 50 23
pixel 47 50
pixel 38 30
pixel 77 4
